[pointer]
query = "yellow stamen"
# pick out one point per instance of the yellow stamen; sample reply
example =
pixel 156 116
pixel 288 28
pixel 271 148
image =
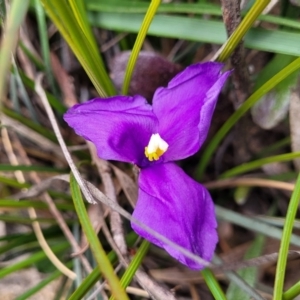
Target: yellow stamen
pixel 156 147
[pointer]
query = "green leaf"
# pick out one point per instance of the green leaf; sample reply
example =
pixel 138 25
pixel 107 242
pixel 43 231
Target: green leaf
pixel 125 7
pixel 183 28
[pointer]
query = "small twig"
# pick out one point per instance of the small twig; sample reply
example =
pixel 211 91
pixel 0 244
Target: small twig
pixel 226 183
pixel 128 185
pixel 41 93
pixel 64 81
pixel 257 261
pixel 175 49
pixel 113 41
pixel 240 76
pixel 156 291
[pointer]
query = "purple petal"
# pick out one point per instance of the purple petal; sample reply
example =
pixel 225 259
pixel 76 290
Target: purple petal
pixel 185 108
pixel 180 209
pixel 120 127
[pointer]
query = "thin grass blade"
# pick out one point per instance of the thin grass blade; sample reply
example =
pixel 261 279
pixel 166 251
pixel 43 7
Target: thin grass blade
pixel 285 241
pixel 14 20
pixel 138 44
pixel 99 254
pixel 218 137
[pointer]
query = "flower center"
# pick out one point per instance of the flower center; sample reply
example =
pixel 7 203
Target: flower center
pixel 156 147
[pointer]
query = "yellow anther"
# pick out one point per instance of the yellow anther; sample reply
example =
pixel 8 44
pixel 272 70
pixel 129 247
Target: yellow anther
pixel 156 147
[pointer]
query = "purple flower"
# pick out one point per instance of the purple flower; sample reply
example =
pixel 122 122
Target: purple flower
pixel 152 137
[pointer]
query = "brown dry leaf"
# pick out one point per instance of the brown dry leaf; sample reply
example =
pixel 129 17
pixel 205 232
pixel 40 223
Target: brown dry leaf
pixel 96 215
pixel 64 81
pixel 295 125
pixel 177 276
pixel 128 185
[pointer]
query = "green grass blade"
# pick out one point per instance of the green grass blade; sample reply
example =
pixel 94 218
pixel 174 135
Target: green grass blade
pixel 23 93
pixel 285 241
pixel 96 275
pixel 218 137
pixel 14 20
pixel 13 94
pixel 54 101
pixel 25 220
pixel 31 260
pixel 31 203
pixel 62 16
pixel 88 283
pixel 292 292
pixel 43 36
pixel 15 241
pixel 134 264
pixel 41 284
pixel 30 124
pixel 99 254
pixel 13 183
pixel 246 167
pixel 242 29
pixel 36 168
pixel 32 57
pixel 138 44
pixel 253 224
pixel 213 284
pixel 78 8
